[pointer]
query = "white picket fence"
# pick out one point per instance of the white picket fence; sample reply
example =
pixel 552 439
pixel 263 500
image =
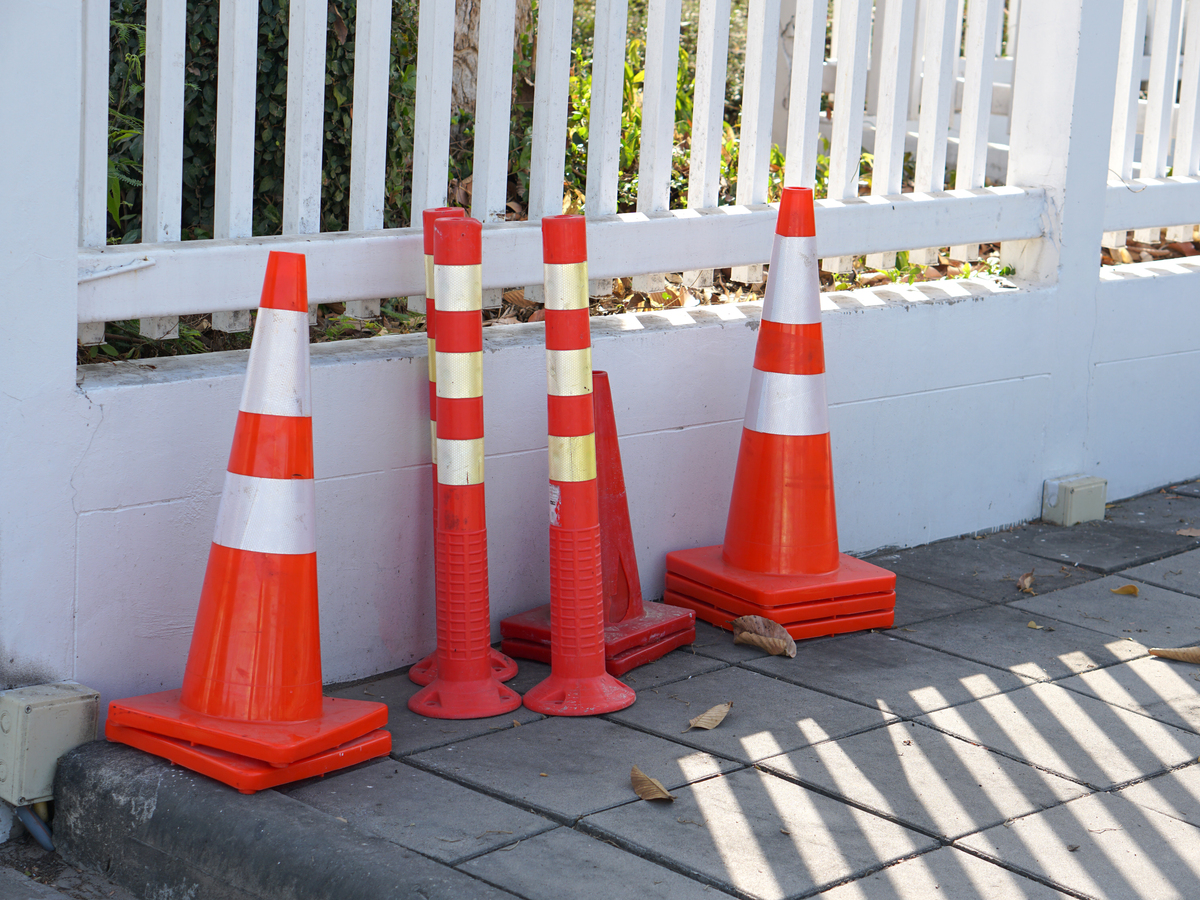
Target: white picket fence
pixel 916 75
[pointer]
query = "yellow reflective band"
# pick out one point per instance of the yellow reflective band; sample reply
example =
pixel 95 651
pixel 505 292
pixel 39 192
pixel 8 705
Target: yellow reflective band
pixel 429 294
pixel 569 372
pixel 573 458
pixel 459 375
pixel 566 286
pixel 432 359
pixel 458 288
pixel 433 439
pixel 460 462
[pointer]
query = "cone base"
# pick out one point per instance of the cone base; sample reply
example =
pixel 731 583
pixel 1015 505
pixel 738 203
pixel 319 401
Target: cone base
pixel 559 696
pixel 842 624
pixel 657 622
pixel 476 699
pixel 246 774
pixel 796 612
pixel 852 578
pixel 275 743
pixel 425 671
pixel 615 665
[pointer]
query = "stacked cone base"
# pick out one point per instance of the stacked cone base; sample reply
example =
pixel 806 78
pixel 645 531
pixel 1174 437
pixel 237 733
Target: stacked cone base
pixel 628 644
pixel 425 671
pixel 244 773
pixel 273 743
pixel 855 597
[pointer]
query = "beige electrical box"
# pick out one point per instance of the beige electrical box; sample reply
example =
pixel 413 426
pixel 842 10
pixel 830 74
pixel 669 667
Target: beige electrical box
pixel 37 726
pixel 1073 499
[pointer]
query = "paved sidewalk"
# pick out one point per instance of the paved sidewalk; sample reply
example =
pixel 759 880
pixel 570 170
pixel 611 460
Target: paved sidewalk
pixel 993 744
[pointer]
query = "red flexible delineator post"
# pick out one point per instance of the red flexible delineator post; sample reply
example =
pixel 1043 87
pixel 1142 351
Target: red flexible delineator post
pixel 425 671
pixel 465 686
pixel 579 684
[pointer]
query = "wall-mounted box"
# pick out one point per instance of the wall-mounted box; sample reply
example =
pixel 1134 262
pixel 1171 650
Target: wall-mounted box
pixel 1073 499
pixel 37 726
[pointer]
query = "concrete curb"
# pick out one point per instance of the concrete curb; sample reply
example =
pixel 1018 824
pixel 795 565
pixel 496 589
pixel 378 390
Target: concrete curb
pixel 163 831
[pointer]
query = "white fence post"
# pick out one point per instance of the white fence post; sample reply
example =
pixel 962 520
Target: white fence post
pixel 1125 104
pixel 237 72
pixel 368 131
pixel 1160 98
pixel 1186 158
pixel 845 148
pixel 93 143
pixel 162 168
pixel 804 95
pixel 937 106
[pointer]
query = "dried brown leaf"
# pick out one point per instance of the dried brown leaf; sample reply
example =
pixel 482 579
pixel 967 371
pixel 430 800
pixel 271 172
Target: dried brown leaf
pixel 1182 654
pixel 1189 532
pixel 765 634
pixel 1035 625
pixel 1129 589
pixel 646 787
pixel 539 315
pixel 517 297
pixel 712 718
pixel 1025 582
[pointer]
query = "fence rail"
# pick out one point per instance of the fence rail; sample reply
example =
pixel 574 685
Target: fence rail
pixel 922 77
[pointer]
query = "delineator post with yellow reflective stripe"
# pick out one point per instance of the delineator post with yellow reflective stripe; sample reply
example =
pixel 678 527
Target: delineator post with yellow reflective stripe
pixel 425 671
pixel 578 684
pixel 780 557
pixel 465 686
pixel 251 712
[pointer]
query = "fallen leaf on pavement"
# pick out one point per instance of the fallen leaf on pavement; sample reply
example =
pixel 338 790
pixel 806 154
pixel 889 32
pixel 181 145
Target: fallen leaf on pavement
pixel 764 634
pixel 646 787
pixel 1033 624
pixel 1183 654
pixel 1189 532
pixel 1130 589
pixel 712 718
pixel 1025 583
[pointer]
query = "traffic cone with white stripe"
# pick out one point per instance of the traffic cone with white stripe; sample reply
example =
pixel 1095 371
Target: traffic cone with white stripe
pixel 425 671
pixel 578 684
pixel 251 712
pixel 465 686
pixel 780 558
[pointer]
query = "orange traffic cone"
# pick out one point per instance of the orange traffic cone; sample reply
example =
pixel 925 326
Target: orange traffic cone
pixel 465 686
pixel 251 712
pixel 425 671
pixel 578 684
pixel 780 558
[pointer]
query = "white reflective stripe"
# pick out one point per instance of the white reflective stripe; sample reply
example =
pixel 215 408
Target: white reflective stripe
pixel 458 288
pixel 569 372
pixel 566 286
pixel 429 283
pixel 277 374
pixel 794 284
pixel 460 462
pixel 459 375
pixel 267 515
pixel 787 404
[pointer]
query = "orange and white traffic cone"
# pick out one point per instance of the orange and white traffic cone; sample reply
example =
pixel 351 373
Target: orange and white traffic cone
pixel 465 686
pixel 780 558
pixel 251 712
pixel 425 671
pixel 578 684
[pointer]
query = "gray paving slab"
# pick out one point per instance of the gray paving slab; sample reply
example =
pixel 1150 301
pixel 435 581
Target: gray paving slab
pixel 917 601
pixel 768 715
pixel 986 569
pixel 760 835
pixel 717 643
pixel 1163 510
pixel 1175 794
pixel 1160 688
pixel 675 666
pixel 1071 735
pixel 15 886
pixel 926 779
pixel 419 810
pixel 1103 547
pixel 1001 637
pixel 947 872
pixel 1175 573
pixel 567 767
pixel 1103 846
pixel 1155 617
pixel 412 733
pixel 884 672
pixel 568 865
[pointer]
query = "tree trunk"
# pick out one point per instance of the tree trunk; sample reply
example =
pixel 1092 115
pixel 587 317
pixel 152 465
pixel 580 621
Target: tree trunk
pixel 466 48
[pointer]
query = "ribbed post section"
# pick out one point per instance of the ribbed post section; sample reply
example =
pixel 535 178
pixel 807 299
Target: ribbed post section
pixel 780 556
pixel 252 684
pixel 425 671
pixel 464 686
pixel 579 684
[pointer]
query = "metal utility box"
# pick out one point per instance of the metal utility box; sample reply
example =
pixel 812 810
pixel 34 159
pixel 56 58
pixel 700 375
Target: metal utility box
pixel 1073 499
pixel 37 726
